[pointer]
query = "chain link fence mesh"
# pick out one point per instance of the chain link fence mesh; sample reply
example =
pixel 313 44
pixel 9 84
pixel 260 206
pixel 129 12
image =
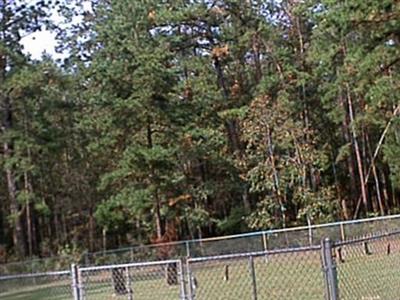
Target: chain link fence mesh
pixel 290 274
pixel 40 286
pixel 140 281
pixel 355 266
pixel 369 269
pixel 42 265
pixel 250 242
pixel 136 254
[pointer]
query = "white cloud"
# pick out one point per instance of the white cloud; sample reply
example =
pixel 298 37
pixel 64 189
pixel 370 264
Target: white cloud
pixel 39 42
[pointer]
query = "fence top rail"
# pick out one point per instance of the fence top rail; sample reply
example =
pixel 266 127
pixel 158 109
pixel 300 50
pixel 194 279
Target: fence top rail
pixel 136 247
pixel 254 254
pixel 130 265
pixel 299 228
pixel 366 238
pixel 34 275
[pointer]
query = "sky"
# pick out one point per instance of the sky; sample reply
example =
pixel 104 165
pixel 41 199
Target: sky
pixel 39 42
pixel 42 41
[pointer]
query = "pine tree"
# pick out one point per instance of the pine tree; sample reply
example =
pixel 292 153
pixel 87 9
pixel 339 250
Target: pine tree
pixel 16 19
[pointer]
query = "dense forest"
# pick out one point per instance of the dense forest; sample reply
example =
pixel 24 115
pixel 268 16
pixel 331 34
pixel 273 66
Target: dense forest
pixel 184 119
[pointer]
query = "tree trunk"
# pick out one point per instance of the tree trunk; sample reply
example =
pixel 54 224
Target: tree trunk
pixel 380 203
pixel 57 222
pixel 29 222
pixel 159 227
pixel 18 234
pixel 376 153
pixel 104 234
pixel 385 190
pixel 357 149
pixel 350 160
pixel 91 231
pixel 157 207
pixel 245 198
pixel 257 57
pixel 275 176
pixel 234 139
pixel 342 201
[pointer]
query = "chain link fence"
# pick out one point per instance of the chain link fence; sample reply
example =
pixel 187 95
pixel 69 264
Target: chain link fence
pixel 146 281
pixel 242 243
pixel 38 286
pixel 364 268
pixel 354 265
pixel 251 242
pixel 42 265
pixel 286 274
pixel 369 268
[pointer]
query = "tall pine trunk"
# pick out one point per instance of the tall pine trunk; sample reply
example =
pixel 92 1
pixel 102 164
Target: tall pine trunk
pixel 29 215
pixel 350 160
pixel 232 129
pixel 380 202
pixel 17 230
pixel 357 148
pixel 160 230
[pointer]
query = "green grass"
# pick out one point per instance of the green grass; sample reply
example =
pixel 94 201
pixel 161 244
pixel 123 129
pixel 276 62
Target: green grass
pixel 295 276
pixel 38 293
pixel 370 277
pixel 146 289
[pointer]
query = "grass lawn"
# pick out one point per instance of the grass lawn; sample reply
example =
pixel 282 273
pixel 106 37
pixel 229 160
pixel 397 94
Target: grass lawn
pixel 370 277
pixel 38 293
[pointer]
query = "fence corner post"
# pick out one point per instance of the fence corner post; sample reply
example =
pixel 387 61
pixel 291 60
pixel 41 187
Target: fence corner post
pixel 128 284
pixel 342 232
pixel 191 281
pixel 253 277
pixel 187 246
pixel 182 282
pixel 75 282
pixel 329 269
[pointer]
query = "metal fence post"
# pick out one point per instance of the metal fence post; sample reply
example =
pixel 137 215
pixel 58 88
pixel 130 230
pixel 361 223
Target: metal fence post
pixel 75 282
pixel 265 245
pixel 264 241
pixel 342 233
pixel 33 271
pixel 132 255
pixel 253 278
pixel 329 269
pixel 128 283
pixel 310 233
pixel 182 281
pixel 190 281
pixel 187 249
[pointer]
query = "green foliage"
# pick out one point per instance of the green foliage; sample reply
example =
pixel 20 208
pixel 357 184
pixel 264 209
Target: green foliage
pixel 392 154
pixel 193 118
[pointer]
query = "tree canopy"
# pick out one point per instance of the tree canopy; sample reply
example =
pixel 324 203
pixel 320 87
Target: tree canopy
pixel 185 119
